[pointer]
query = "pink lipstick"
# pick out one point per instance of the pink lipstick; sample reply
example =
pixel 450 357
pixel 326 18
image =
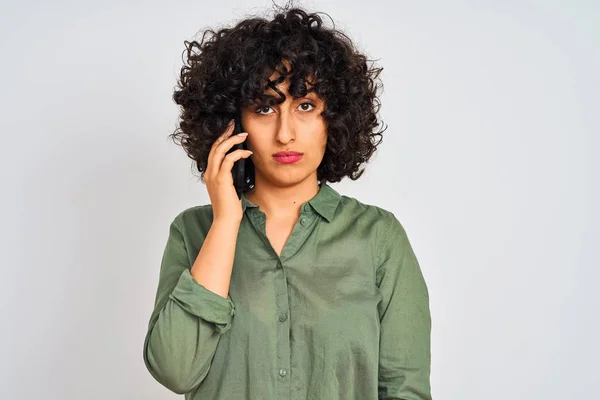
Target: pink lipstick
pixel 287 157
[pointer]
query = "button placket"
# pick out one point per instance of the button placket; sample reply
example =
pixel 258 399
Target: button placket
pixel 283 329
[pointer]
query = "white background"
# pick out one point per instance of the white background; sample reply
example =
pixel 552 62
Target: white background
pixel 489 161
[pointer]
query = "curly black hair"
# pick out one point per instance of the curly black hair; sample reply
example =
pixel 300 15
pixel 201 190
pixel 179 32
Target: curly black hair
pixel 231 69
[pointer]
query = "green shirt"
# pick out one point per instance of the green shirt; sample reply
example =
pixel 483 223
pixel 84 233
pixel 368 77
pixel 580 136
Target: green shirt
pixel 343 313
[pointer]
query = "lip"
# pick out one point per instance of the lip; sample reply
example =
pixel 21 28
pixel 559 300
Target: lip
pixel 287 157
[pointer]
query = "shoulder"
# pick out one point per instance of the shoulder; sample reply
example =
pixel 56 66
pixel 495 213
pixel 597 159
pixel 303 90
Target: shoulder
pixel 194 217
pixel 382 225
pixel 379 217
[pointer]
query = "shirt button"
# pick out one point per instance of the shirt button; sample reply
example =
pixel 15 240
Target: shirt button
pixel 279 266
pixel 303 221
pixel 282 372
pixel 282 317
pixel 306 207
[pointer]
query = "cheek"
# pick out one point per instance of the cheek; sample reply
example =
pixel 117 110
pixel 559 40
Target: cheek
pixel 250 143
pixel 255 147
pixel 324 142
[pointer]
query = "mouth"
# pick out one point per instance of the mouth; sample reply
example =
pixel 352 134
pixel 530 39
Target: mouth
pixel 287 157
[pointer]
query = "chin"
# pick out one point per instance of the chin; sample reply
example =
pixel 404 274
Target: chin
pixel 287 179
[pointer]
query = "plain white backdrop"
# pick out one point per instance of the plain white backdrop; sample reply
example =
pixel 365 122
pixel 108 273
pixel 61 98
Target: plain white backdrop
pixel 489 161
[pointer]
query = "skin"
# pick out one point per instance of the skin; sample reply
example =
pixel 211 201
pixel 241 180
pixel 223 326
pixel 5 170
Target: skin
pixel 294 125
pixel 280 189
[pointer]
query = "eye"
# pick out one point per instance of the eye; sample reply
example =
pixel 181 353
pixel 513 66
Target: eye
pixel 307 103
pixel 261 108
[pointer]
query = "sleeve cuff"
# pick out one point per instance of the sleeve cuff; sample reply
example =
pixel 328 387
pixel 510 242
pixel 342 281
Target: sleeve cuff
pixel 201 302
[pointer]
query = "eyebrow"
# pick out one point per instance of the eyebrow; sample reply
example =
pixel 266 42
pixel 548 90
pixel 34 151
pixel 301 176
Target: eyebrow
pixel 310 96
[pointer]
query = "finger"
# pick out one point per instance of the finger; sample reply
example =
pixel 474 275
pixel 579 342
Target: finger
pixel 220 152
pixel 231 158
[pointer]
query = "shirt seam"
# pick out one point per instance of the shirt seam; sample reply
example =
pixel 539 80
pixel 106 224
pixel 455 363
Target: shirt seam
pixel 384 244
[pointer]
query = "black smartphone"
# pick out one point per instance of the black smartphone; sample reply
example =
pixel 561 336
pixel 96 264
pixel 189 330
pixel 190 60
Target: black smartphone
pixel 239 167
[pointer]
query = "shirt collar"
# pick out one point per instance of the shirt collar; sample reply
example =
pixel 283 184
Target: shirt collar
pixel 324 203
pixel 247 203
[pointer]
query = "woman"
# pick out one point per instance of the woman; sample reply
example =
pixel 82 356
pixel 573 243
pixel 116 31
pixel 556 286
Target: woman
pixel 291 291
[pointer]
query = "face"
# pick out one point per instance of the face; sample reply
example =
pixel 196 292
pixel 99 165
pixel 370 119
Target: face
pixel 292 126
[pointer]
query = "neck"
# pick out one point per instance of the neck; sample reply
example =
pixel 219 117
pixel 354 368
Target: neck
pixel 282 201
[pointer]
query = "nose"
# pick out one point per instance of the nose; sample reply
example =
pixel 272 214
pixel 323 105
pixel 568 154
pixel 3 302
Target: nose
pixel 285 127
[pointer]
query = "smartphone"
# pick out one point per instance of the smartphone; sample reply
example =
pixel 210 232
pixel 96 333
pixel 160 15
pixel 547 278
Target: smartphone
pixel 239 167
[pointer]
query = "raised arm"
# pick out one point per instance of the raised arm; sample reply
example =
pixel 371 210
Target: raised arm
pixel 192 307
pixel 188 319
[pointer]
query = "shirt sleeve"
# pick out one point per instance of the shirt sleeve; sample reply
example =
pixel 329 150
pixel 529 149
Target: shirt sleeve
pixel 186 323
pixel 405 321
